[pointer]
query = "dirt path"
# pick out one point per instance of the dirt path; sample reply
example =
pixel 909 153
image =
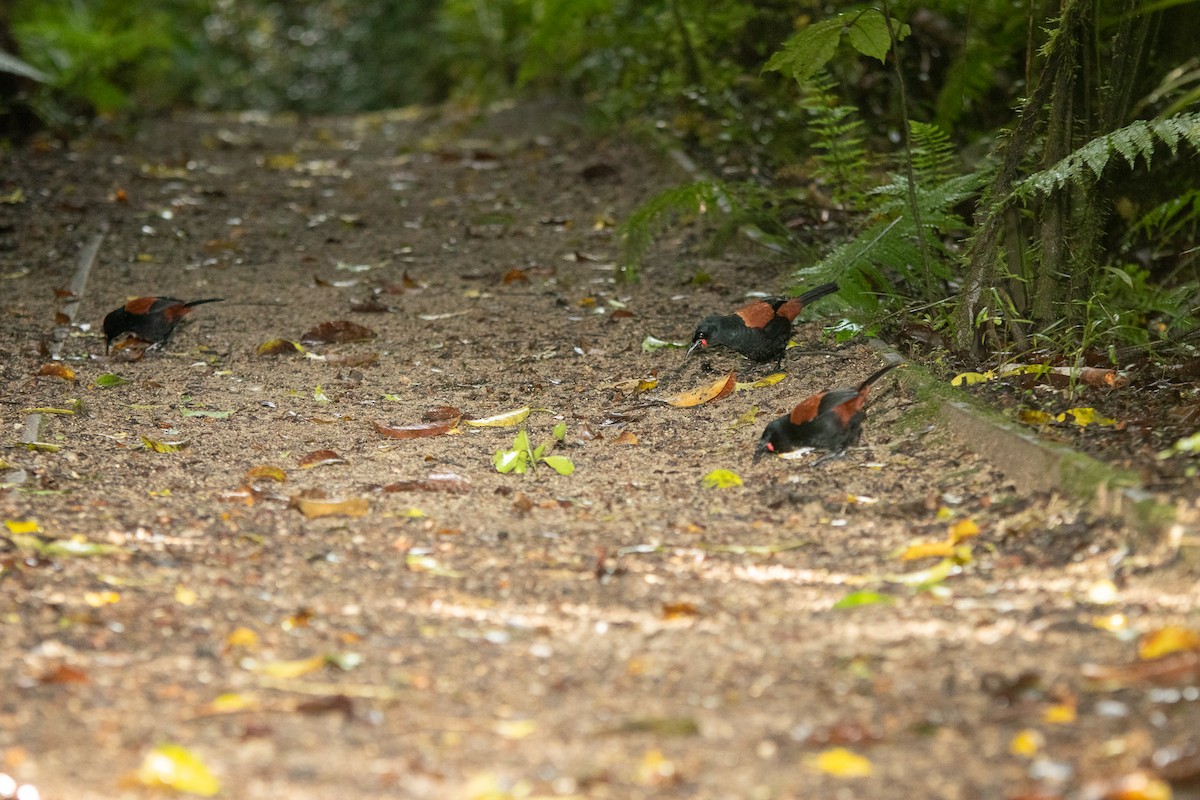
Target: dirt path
pixel 624 631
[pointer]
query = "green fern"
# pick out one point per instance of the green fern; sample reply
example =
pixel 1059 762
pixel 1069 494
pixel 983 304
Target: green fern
pixel 637 231
pixel 1169 219
pixel 1138 139
pixel 887 250
pixel 933 158
pixel 841 159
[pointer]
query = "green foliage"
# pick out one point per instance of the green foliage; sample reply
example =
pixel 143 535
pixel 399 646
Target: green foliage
pixel 93 53
pixel 841 159
pixel 808 51
pixel 637 231
pixel 1137 139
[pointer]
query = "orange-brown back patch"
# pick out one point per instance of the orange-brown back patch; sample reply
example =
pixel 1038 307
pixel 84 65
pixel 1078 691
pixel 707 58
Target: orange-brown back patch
pixel 140 305
pixel 807 410
pixel 756 314
pixel 791 309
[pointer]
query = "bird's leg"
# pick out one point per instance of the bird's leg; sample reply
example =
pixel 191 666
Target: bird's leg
pixel 828 457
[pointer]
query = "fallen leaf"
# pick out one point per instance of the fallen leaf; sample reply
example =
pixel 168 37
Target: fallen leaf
pixel 721 479
pixel 108 380
pixel 1084 417
pixel 841 763
pixel 1031 416
pixel 163 447
pixel 317 508
pixel 1164 641
pixel 626 438
pixel 266 472
pixel 652 343
pixel 1026 743
pixel 963 529
pixel 972 378
pixel 285 670
pixel 320 458
pixel 927 550
pixel 679 610
pixel 57 371
pixel 417 430
pixel 277 347
pixel 170 766
pixel 63 673
pixel 762 383
pixel 503 420
pixel 337 332
pixel 863 598
pixel 20 526
pixel 705 394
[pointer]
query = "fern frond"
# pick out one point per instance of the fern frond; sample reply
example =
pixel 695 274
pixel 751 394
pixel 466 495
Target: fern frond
pixel 637 231
pixel 1135 140
pixel 933 156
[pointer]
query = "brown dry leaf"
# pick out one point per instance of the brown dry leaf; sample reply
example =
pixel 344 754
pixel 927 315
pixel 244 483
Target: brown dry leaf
pixel 277 347
pixel 679 610
pixel 705 394
pixel 267 472
pixel 1102 378
pixel 516 274
pixel 417 430
pixel 320 458
pixel 441 413
pixel 627 438
pixel 314 508
pixel 63 673
pixel 57 371
pixel 338 332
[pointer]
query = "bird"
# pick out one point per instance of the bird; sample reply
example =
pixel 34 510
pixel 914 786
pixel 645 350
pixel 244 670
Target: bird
pixel 831 420
pixel 759 330
pixel 151 319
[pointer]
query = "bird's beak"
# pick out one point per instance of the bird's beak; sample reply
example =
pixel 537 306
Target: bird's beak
pixel 763 448
pixel 695 344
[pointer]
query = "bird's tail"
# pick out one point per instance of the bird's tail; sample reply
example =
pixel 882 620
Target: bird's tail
pixel 817 292
pixel 865 386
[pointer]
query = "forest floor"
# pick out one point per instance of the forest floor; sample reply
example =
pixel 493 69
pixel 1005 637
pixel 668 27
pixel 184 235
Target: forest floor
pixel 237 572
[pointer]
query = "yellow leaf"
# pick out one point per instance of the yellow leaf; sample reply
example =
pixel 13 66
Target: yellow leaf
pixel 242 637
pixel 19 526
pixel 163 447
pixel 841 763
pixel 745 419
pixel 928 550
pixel 963 529
pixel 1031 416
pixel 514 729
pixel 98 599
pixel 1026 743
pixel 315 508
pixel 170 766
pixel 762 383
pixel 721 479
pixel 232 703
pixel 971 378
pixel 704 394
pixel 655 768
pixel 1084 417
pixel 185 596
pixel 504 420
pixel 281 161
pixel 944 513
pixel 291 669
pixel 266 472
pixel 1060 714
pixel 1164 641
